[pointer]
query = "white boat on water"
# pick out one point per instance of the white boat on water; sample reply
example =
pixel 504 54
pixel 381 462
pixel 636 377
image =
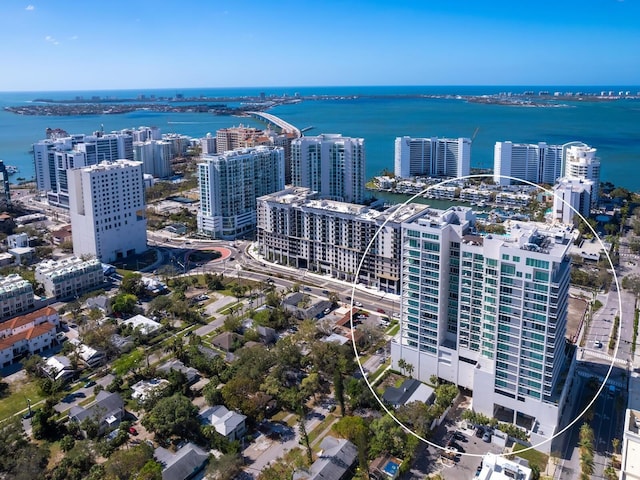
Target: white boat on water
pixel 11 169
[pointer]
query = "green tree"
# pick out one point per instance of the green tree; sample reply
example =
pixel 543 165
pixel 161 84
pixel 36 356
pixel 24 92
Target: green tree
pixel 174 415
pixel 132 284
pixel 225 467
pixel 124 303
pixel 127 463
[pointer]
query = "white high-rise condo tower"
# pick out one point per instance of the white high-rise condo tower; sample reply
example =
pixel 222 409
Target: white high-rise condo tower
pixel 533 162
pixel 581 163
pixel 488 313
pixel 432 157
pixel 107 210
pixel 229 185
pixel 330 164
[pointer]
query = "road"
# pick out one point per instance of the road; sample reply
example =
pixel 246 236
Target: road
pixel 80 395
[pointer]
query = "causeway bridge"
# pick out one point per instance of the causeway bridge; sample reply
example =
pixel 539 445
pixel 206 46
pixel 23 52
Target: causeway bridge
pixel 285 127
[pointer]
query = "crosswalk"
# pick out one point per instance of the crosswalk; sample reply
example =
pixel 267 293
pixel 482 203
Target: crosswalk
pixel 594 353
pixel 589 374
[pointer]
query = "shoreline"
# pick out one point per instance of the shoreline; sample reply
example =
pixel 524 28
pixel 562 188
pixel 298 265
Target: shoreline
pixel 115 106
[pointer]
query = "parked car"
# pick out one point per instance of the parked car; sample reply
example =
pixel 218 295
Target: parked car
pixel 358 304
pixel 380 310
pixel 325 292
pixel 486 437
pixel 133 431
pixel 89 384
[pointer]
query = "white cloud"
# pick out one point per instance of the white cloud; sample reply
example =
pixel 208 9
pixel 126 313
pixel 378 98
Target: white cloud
pixel 50 39
pixel 75 37
pixel 30 8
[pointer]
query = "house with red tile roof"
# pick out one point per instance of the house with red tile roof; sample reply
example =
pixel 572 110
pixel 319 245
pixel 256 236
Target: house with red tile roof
pixel 23 323
pixel 30 341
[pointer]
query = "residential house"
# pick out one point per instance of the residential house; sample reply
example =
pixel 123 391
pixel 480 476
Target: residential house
pixel 227 341
pixel 144 389
pixel 107 411
pixel 88 355
pixel 385 467
pixel 144 324
pixel 190 373
pixel 27 342
pixel 184 464
pixel 303 306
pixel 335 461
pixel 229 424
pixel 411 390
pixel 62 235
pixel 58 367
pixel 101 303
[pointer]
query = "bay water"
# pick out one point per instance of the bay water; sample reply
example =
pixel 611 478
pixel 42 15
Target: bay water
pixel 379 115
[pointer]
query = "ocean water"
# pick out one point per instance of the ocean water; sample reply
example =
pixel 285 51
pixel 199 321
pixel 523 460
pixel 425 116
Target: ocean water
pixel 613 127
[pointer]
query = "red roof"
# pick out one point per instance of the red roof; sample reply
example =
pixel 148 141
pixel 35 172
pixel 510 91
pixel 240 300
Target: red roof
pixel 30 334
pixel 31 317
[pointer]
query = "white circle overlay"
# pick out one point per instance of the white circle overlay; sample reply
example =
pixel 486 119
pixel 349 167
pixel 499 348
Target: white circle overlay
pixel 353 299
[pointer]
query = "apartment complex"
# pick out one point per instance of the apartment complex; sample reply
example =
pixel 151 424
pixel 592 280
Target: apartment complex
pixel 536 163
pixel 571 196
pixel 239 137
pixel 581 163
pixel 54 156
pixel 432 157
pixel 330 164
pixel 229 185
pixel 16 295
pixel 69 277
pixel 488 313
pixel 30 333
pixel 107 210
pixel 298 228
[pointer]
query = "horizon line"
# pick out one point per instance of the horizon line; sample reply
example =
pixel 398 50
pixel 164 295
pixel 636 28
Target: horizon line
pixel 608 86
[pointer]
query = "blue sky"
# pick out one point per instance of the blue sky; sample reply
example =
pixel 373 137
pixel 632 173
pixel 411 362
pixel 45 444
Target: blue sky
pixel 74 45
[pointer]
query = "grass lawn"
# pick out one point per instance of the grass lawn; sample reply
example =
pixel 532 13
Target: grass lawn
pixel 533 456
pixel 393 330
pixel 15 399
pixel 321 427
pixel 379 371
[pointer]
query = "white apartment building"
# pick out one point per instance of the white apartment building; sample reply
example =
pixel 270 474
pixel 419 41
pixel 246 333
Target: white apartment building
pixel 330 164
pixel 571 195
pixel 16 295
pixel 488 313
pixel 432 157
pixel 69 277
pixel 107 210
pixel 53 157
pixel 581 163
pixel 536 163
pixel 208 144
pixel 229 185
pixel 297 228
pixel 155 156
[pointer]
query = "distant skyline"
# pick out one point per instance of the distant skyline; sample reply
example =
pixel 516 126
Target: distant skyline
pixel 140 44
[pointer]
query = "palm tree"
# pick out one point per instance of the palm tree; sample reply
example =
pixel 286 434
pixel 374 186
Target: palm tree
pixel 402 364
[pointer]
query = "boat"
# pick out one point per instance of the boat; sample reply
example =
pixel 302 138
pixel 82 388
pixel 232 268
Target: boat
pixel 11 169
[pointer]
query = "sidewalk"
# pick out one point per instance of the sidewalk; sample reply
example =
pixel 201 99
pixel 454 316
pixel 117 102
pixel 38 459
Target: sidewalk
pixel 252 251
